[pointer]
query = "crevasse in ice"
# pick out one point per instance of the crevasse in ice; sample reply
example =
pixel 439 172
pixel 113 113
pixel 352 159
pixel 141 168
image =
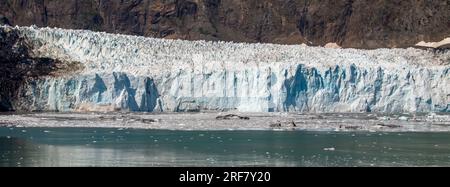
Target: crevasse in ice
pixel 134 73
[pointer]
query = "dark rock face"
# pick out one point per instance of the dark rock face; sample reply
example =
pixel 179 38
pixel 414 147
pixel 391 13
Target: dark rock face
pixel 13 56
pixel 17 66
pixel 350 23
pixel 4 20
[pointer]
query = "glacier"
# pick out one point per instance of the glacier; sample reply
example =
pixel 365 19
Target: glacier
pixel 133 73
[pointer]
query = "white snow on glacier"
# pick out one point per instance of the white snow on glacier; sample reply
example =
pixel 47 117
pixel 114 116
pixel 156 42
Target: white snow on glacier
pixel 146 74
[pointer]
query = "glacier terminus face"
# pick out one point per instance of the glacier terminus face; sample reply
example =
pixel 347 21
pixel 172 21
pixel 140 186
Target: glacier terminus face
pixel 131 73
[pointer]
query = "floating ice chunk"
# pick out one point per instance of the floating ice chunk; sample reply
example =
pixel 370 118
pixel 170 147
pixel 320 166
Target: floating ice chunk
pixel 403 118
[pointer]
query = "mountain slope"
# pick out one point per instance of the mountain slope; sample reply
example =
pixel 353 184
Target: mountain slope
pixel 350 23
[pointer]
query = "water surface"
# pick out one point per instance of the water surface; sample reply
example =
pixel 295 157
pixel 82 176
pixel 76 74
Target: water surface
pixel 134 147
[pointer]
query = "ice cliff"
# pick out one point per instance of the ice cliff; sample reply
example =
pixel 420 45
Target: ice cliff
pixel 134 73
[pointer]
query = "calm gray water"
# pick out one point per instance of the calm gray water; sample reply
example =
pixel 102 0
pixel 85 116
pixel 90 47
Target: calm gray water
pixel 126 147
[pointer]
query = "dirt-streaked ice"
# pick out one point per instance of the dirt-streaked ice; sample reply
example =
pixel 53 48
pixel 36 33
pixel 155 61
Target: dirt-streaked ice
pixel 145 74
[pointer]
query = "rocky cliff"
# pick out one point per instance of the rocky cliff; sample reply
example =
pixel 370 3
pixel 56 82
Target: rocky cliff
pixel 349 23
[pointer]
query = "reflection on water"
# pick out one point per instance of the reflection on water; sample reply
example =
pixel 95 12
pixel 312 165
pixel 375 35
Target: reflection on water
pixel 126 147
